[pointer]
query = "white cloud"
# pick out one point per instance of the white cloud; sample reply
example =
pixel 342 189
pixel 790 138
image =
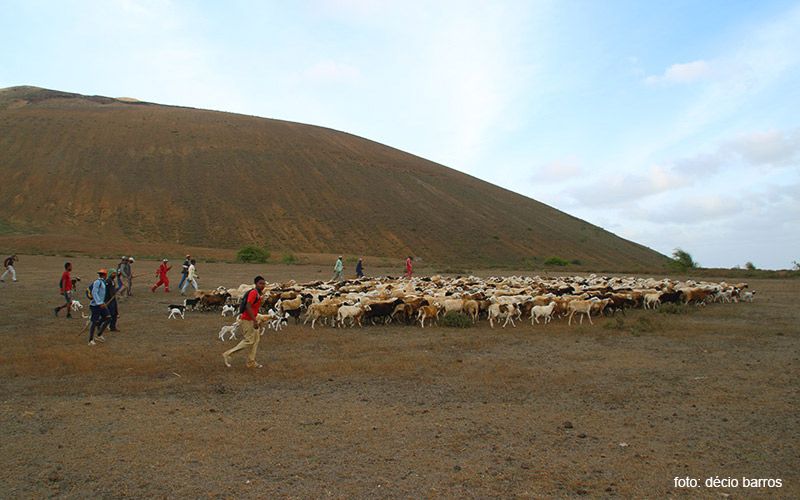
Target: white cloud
pixel 682 73
pixel 767 148
pixel 611 189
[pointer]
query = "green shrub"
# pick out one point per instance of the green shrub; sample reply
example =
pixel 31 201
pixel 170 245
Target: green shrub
pixel 617 323
pixel 682 260
pixel 750 266
pixel 577 262
pixel 457 320
pixel 252 254
pixel 673 309
pixel 556 261
pixel 289 258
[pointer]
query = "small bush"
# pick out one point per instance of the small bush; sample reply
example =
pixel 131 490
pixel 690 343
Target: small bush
pixel 577 262
pixel 556 261
pixel 750 266
pixel 642 325
pixel 616 324
pixel 673 309
pixel 252 254
pixel 289 258
pixel 456 320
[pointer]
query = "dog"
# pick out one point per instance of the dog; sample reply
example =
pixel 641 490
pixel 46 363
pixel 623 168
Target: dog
pixel 230 330
pixel 190 303
pixel 175 311
pixel 76 305
pixel 228 309
pixel 279 322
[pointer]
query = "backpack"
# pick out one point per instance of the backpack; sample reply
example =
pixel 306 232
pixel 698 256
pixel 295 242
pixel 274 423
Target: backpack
pixel 243 302
pixel 89 290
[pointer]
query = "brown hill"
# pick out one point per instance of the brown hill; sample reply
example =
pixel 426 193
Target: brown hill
pixel 90 168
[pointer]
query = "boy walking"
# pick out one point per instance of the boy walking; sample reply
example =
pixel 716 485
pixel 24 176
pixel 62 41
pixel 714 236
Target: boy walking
pixel 66 290
pixel 250 326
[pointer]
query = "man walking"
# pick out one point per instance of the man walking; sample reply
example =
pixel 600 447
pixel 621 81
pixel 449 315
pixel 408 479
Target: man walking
pixel 191 277
pixel 184 271
pixel 249 324
pixel 163 279
pixel 111 301
pixel 66 290
pixel 360 268
pixel 125 275
pixel 338 270
pixel 100 316
pixel 408 267
pixel 9 265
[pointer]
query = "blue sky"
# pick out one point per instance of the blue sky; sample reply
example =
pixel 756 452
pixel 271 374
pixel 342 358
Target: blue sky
pixel 674 124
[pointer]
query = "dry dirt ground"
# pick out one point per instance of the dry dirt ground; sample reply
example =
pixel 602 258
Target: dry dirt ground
pixel 614 409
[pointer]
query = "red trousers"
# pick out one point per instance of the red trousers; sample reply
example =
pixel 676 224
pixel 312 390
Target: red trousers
pixel 162 280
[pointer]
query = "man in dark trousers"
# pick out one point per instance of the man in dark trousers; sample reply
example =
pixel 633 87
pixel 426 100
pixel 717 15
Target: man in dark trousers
pixel 184 271
pixel 100 317
pixel 360 268
pixel 249 325
pixel 8 264
pixel 111 301
pixel 66 290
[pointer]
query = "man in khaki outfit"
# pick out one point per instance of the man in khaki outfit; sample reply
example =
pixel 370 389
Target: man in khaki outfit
pixel 249 323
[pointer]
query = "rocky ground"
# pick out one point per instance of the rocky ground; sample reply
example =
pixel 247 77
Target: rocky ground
pixel 620 408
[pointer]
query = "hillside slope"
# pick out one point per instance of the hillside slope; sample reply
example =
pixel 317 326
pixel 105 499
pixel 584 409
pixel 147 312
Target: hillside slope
pixel 135 171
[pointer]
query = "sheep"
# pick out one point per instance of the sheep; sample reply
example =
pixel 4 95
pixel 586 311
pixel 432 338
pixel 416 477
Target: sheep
pixel 499 311
pixel 472 309
pixel 353 312
pixel 652 300
pixel 748 296
pixel 319 311
pixel 545 312
pixel 228 309
pixel 581 307
pixel 426 312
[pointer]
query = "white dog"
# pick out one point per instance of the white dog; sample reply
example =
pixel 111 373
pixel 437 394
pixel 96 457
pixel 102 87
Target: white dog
pixel 175 312
pixel 76 305
pixel 230 330
pixel 228 309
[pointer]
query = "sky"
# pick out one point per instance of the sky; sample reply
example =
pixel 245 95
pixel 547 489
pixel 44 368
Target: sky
pixel 673 124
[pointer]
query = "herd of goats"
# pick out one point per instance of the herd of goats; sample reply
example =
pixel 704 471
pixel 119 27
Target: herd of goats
pixel 500 300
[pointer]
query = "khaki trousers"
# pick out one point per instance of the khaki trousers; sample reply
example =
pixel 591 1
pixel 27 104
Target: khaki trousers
pixel 251 338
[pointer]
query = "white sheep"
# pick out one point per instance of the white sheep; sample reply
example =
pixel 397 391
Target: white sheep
pixel 545 312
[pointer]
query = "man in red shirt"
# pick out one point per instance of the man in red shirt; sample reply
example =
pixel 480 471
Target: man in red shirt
pixel 248 321
pixel 66 290
pixel 163 279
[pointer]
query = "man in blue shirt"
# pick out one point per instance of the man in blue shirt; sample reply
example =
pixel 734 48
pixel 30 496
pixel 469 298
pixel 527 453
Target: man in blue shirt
pixel 100 314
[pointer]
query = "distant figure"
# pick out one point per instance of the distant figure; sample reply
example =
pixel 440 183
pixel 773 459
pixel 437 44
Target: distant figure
pixel 9 265
pixel 122 261
pixel 125 277
pixel 338 270
pixel 111 301
pixel 163 279
pixel 129 277
pixel 191 277
pixel 408 267
pixel 100 317
pixel 184 271
pixel 360 268
pixel 66 290
pixel 250 325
